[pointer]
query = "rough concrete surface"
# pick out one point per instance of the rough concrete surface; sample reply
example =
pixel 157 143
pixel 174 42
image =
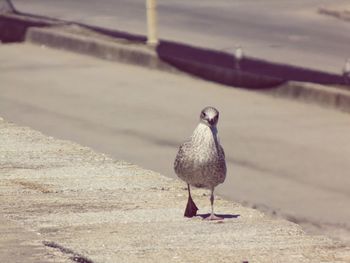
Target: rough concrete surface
pixel 85 206
pixel 19 244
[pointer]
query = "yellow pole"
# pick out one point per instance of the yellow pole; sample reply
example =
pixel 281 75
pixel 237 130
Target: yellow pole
pixel 152 38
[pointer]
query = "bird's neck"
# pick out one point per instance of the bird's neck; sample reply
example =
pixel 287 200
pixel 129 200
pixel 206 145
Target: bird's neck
pixel 204 135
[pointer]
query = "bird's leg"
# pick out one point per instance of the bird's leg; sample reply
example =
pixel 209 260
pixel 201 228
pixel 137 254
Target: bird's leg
pixel 191 208
pixel 212 215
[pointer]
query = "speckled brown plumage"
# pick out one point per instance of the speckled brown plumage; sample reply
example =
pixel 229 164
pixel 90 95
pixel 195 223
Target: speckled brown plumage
pixel 200 161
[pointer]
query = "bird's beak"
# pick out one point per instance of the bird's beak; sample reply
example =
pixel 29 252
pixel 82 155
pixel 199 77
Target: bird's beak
pixel 211 121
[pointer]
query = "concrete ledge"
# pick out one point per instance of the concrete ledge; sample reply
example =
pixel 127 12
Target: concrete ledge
pixel 77 39
pixel 336 98
pixel 87 207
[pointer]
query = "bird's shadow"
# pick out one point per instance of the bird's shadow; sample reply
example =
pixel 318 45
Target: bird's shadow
pixel 225 216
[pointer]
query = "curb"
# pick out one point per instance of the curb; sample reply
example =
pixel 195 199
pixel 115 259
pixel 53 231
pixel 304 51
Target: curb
pixel 72 37
pixel 77 39
pixel 313 93
pixel 85 41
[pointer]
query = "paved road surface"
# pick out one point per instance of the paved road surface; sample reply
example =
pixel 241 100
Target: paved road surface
pixel 283 31
pixel 286 156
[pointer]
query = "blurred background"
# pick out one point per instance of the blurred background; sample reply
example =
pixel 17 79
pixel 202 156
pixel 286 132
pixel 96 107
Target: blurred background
pixel 291 32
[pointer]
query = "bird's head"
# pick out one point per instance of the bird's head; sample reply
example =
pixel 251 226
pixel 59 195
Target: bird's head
pixel 209 116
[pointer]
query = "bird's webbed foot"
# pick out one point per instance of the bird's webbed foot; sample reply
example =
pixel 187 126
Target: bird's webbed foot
pixel 212 217
pixel 191 208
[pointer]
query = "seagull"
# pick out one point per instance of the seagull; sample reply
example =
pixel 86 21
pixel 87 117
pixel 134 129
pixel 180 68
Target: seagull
pixel 238 56
pixel 200 161
pixel 346 71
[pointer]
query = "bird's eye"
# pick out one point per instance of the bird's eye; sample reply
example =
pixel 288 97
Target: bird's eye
pixel 203 114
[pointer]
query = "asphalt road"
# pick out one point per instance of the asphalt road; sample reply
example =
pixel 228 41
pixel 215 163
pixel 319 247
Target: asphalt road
pixel 285 156
pixel 289 32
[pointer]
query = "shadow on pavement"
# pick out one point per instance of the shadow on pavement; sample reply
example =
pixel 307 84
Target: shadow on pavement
pixel 225 216
pixel 253 73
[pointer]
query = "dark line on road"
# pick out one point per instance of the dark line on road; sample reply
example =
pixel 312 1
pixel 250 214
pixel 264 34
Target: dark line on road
pixel 76 257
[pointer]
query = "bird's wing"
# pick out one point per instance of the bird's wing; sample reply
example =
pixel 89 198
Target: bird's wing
pixel 181 156
pixel 219 147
